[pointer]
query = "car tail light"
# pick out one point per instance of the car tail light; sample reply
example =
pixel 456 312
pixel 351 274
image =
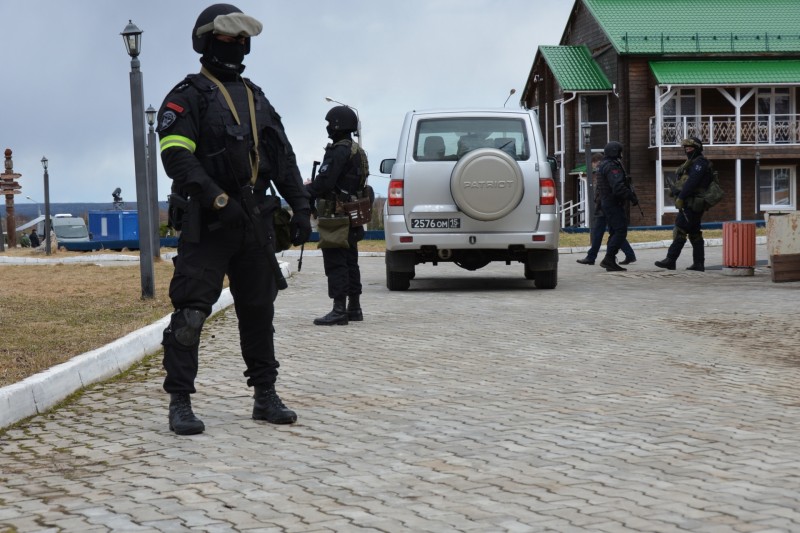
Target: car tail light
pixel 396 192
pixel 547 191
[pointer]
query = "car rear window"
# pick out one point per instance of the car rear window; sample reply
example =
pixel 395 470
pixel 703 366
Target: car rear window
pixel 449 139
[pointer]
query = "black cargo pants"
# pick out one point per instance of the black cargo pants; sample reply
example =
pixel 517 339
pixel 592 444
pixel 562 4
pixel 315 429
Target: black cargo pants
pixel 200 269
pixel 341 267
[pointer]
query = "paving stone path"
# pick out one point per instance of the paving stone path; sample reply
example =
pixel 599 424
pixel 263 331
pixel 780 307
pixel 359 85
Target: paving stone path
pixel 639 401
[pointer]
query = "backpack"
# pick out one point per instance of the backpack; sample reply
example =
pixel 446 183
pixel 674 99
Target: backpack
pixel 714 193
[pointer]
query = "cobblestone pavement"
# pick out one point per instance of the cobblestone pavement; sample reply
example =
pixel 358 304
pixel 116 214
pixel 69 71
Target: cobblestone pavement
pixel 638 401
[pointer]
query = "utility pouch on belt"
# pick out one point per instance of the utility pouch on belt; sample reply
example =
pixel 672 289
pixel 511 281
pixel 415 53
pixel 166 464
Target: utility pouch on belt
pixel 333 232
pixel 281 221
pixel 358 209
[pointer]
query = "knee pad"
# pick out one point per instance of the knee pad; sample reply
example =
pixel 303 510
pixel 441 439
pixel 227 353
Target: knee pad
pixel 678 234
pixel 185 327
pixel 696 237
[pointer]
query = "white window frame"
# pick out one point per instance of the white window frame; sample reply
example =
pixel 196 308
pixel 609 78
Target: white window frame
pixel 582 117
pixel 770 170
pixel 669 202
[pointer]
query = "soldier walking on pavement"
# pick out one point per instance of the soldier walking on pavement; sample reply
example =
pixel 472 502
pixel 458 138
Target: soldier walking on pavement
pixel 694 176
pixel 344 171
pixel 221 144
pixel 616 193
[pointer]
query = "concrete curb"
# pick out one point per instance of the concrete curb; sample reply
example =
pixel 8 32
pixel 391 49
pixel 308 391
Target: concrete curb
pixel 40 392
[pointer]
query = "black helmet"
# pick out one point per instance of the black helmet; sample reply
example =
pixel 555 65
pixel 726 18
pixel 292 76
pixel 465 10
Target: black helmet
pixel 342 119
pixel 200 42
pixel 613 150
pixel 694 142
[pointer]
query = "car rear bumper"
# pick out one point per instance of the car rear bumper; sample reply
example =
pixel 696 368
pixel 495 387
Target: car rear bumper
pixel 398 238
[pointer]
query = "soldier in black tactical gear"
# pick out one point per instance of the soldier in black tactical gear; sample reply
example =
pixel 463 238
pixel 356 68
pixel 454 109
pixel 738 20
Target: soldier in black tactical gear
pixel 616 194
pixel 343 174
pixel 222 143
pixel 694 176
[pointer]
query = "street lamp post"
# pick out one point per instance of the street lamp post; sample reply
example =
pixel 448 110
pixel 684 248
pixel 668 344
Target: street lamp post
pixel 47 222
pixel 132 36
pixel 358 130
pixel 152 179
pixel 586 128
pixel 38 209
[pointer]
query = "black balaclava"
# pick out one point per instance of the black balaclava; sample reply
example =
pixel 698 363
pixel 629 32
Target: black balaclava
pixel 224 59
pixel 336 135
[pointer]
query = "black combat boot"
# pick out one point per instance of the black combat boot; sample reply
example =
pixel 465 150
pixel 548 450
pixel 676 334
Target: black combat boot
pixel 181 418
pixel 268 406
pixel 673 253
pixel 609 262
pixel 354 313
pixel 337 316
pixel 698 256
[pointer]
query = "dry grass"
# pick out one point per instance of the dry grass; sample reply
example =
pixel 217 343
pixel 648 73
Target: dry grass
pixel 50 313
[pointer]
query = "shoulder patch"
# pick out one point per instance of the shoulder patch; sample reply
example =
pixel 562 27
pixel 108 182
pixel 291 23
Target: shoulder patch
pixel 167 119
pixel 175 107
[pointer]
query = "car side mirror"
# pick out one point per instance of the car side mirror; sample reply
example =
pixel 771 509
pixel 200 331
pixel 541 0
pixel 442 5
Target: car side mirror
pixel 387 165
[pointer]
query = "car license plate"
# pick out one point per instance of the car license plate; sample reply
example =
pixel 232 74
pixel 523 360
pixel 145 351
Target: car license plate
pixel 435 223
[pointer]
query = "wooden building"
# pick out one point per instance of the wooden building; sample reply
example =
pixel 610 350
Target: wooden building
pixel 650 73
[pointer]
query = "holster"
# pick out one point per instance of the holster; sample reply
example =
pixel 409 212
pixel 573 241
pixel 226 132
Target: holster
pixel 184 216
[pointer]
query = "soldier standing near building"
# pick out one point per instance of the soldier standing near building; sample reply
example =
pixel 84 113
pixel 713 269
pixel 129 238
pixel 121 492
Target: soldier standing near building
pixel 694 175
pixel 222 143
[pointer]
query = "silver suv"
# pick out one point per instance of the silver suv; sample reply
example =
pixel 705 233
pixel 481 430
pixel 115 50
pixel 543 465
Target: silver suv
pixel 470 187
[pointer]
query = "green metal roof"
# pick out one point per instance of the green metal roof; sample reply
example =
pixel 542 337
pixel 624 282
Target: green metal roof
pixel 574 68
pixel 699 26
pixel 766 71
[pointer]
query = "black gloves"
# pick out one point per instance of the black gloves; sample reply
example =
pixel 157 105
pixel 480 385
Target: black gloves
pixel 232 215
pixel 300 226
pixel 634 198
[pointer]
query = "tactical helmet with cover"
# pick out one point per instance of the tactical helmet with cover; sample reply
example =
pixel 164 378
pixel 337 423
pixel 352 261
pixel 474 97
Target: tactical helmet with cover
pixel 693 142
pixel 342 119
pixel 223 19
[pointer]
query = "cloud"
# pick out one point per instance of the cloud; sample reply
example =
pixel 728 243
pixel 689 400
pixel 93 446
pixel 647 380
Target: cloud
pixel 66 90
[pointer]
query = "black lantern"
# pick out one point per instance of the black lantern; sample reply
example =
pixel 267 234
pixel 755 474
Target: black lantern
pixel 132 36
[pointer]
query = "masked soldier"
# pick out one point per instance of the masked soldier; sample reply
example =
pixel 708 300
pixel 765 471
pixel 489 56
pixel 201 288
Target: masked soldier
pixel 694 176
pixel 222 143
pixel 616 194
pixel 342 174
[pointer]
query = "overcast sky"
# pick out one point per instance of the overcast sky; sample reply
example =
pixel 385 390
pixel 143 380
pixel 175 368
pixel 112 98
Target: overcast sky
pixel 65 89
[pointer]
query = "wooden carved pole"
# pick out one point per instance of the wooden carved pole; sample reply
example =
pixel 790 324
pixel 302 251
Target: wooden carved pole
pixel 9 187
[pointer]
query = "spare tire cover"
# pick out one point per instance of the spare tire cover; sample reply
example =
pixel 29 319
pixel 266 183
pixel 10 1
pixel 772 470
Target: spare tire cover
pixel 487 184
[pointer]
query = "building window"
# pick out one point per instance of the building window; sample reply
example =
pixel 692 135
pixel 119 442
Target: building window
pixel 594 110
pixel 669 202
pixel 680 118
pixel 777 186
pixel 558 126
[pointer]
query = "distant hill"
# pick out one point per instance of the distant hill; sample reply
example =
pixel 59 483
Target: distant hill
pixel 24 211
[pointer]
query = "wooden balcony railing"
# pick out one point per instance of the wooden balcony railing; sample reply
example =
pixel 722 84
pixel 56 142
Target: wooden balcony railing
pixel 722 130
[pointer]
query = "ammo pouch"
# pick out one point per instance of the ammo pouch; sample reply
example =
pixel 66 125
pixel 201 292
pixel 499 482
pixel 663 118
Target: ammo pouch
pixel 696 203
pixel 334 232
pixel 358 208
pixel 281 221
